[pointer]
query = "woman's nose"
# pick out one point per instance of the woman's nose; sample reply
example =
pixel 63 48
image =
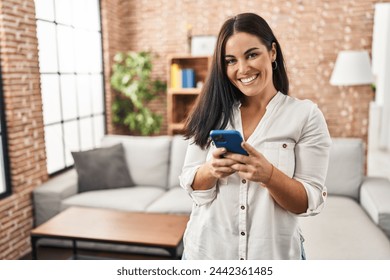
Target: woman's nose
pixel 243 67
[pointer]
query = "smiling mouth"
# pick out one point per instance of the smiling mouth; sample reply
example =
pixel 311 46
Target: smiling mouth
pixel 249 79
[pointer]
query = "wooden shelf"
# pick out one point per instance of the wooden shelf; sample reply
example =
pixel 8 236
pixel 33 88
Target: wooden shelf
pixel 187 57
pixel 190 91
pixel 181 100
pixel 177 126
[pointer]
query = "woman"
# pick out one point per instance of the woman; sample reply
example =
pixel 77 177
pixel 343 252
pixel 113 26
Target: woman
pixel 246 207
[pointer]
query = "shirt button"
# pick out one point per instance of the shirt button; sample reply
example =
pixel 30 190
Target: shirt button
pixel 243 181
pixel 242 207
pixel 242 233
pixel 285 145
pixel 324 193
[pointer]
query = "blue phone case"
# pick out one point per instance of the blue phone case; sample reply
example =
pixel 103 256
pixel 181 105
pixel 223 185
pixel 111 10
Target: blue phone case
pixel 229 139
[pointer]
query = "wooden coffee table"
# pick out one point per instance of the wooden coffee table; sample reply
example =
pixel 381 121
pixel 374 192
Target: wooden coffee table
pixel 110 226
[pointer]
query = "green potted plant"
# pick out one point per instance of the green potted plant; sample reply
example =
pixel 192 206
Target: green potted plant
pixel 131 77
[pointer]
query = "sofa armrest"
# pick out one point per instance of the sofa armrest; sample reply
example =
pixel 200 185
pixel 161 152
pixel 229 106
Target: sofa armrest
pixel 375 197
pixel 47 197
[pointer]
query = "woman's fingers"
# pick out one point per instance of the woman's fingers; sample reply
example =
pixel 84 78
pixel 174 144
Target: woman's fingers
pixel 222 162
pixel 219 152
pixel 251 151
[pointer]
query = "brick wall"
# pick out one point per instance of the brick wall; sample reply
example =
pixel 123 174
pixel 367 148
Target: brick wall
pixel 113 35
pixel 23 105
pixel 119 21
pixel 311 33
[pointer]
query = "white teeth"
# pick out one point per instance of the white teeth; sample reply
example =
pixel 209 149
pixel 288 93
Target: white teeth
pixel 247 80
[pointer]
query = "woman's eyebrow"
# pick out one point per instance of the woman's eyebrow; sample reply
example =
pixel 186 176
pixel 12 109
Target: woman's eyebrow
pixel 245 53
pixel 251 49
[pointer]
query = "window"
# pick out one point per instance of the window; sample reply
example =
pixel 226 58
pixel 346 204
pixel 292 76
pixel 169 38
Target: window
pixel 71 68
pixel 5 183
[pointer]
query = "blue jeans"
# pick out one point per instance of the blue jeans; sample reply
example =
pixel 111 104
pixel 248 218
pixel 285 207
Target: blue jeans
pixel 303 254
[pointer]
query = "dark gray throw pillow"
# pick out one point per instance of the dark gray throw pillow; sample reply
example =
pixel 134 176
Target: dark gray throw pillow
pixel 102 168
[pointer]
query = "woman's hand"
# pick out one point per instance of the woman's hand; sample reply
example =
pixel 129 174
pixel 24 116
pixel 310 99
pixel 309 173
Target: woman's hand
pixel 255 167
pixel 216 168
pixel 290 194
pixel 219 165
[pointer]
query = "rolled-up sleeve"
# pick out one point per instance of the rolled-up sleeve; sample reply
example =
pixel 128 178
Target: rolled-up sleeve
pixel 312 159
pixel 195 157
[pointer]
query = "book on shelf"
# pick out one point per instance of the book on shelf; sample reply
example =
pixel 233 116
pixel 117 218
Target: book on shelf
pixel 175 76
pixel 188 78
pixel 182 78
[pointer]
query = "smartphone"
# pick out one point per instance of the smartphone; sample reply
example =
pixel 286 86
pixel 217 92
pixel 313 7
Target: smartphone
pixel 229 139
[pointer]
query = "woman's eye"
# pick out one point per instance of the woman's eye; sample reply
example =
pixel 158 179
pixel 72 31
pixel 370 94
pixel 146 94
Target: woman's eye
pixel 252 55
pixel 230 61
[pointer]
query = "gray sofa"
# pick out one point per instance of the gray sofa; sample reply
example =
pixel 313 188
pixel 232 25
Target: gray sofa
pixel 353 224
pixel 154 164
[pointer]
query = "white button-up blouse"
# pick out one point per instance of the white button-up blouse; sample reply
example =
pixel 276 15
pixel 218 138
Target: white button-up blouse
pixel 237 218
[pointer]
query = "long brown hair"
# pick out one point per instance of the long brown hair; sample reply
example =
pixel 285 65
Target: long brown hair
pixel 214 107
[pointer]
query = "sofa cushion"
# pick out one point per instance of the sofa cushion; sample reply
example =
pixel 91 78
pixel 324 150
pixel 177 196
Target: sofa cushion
pixel 48 196
pixel 178 153
pixel 175 201
pixel 127 199
pixel 346 167
pixel 343 231
pixel 147 158
pixel 374 197
pixel 102 168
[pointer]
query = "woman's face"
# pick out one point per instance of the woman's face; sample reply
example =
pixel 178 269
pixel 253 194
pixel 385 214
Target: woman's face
pixel 249 64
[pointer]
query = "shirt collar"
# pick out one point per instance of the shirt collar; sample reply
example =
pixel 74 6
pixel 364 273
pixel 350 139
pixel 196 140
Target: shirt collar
pixel 274 100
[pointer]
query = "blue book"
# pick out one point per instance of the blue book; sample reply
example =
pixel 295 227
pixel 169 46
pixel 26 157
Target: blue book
pixel 184 78
pixel 188 78
pixel 191 78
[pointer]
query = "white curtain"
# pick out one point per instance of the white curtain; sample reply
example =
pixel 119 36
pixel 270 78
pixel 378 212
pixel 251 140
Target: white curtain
pixel 381 69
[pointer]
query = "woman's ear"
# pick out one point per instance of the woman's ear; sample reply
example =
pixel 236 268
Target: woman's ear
pixel 273 51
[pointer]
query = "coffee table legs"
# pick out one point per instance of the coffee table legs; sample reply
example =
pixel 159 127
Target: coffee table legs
pixel 74 247
pixel 34 247
pixel 172 252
